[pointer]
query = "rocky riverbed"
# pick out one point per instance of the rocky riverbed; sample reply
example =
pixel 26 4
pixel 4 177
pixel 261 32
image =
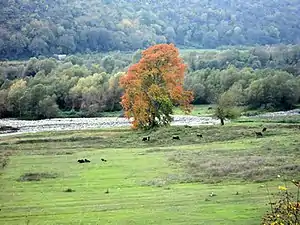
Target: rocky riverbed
pixel 279 113
pixel 28 126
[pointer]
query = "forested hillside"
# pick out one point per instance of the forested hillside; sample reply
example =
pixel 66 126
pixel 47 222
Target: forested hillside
pixel 88 85
pixel 47 27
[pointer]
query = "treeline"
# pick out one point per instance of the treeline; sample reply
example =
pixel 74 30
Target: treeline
pixel 33 28
pixel 87 85
pixel 279 57
pixel 262 88
pixel 47 88
pixel 282 57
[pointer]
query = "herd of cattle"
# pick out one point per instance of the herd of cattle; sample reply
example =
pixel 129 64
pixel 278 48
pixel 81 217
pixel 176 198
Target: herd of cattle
pixel 175 137
pixel 88 161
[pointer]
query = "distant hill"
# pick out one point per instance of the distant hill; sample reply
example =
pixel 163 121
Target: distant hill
pixel 47 27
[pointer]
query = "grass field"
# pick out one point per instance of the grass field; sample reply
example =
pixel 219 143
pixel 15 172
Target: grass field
pixel 198 110
pixel 161 181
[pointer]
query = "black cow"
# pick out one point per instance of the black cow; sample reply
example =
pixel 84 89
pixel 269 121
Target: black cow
pixel 258 134
pixel 199 135
pixel 264 129
pixel 144 139
pixel 176 137
pixel 86 160
pixel 103 160
pixel 80 160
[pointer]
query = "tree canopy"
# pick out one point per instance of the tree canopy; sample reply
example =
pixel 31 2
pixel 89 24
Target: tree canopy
pixel 33 28
pixel 153 86
pixel 226 107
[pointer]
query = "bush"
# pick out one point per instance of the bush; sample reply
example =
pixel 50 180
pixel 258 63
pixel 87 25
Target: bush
pixel 69 190
pixel 286 210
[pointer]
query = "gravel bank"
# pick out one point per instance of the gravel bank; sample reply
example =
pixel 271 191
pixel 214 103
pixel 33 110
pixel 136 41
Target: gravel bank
pixel 279 113
pixel 26 126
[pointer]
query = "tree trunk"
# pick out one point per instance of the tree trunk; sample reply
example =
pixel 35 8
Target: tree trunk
pixel 152 122
pixel 222 121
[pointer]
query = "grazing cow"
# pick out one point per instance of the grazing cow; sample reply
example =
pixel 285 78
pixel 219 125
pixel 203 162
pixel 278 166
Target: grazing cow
pixel 258 134
pixel 199 135
pixel 146 138
pixel 176 137
pixel 80 160
pixel 103 160
pixel 264 129
pixel 187 126
pixel 86 160
pixel 210 108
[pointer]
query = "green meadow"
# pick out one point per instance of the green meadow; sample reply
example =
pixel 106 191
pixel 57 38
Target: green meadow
pixel 219 178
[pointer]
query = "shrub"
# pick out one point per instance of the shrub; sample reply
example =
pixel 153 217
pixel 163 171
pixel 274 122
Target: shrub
pixel 69 190
pixel 286 210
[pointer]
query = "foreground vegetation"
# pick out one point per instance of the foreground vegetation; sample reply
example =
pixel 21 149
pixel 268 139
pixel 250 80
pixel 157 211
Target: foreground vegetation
pixel 219 178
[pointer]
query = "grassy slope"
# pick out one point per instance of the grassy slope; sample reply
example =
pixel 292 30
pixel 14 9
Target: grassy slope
pixel 158 182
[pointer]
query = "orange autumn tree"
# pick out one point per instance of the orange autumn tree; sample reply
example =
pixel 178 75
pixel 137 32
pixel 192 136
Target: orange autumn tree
pixel 153 86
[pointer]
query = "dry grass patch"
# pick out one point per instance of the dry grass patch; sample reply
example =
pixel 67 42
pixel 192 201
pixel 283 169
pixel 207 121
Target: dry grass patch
pixel 36 176
pixel 221 165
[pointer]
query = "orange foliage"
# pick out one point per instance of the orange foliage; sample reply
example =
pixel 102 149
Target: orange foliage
pixel 154 85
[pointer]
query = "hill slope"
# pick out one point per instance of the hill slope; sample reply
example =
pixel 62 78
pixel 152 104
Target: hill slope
pixel 31 28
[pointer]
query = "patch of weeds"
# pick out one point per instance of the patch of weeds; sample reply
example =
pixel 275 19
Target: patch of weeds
pixel 293 168
pixel 63 139
pixel 69 190
pixel 64 153
pixel 218 165
pixel 164 181
pixel 36 176
pixel 160 150
pixel 3 162
pixel 4 159
pixel 158 182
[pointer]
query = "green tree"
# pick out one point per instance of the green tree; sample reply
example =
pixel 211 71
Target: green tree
pixel 108 63
pixel 47 107
pixel 90 90
pixel 226 107
pixel 14 97
pixel 3 103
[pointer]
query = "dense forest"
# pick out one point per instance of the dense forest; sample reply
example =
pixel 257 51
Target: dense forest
pixel 47 27
pixel 88 85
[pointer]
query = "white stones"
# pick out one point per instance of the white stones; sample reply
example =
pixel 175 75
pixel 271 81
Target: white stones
pixel 61 124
